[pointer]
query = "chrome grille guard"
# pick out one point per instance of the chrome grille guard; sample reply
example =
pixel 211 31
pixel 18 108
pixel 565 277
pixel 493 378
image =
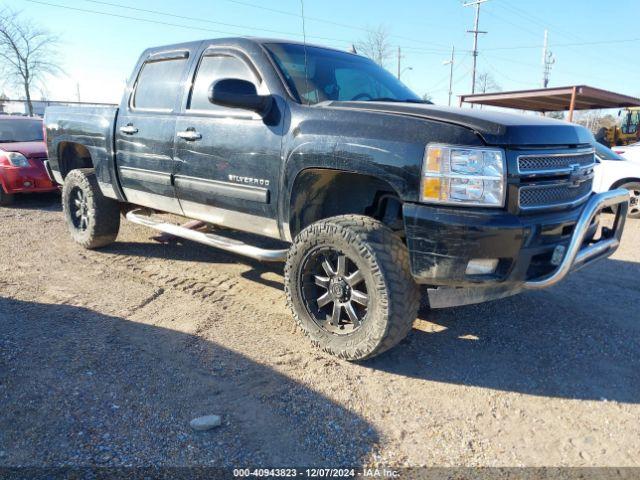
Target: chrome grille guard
pixel 577 253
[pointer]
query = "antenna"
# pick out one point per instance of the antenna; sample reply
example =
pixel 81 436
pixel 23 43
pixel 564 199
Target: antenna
pixel 306 61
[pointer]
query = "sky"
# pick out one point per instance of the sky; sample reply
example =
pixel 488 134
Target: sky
pixel 593 42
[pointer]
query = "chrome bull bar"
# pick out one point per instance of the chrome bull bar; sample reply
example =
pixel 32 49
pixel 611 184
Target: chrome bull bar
pixel 578 254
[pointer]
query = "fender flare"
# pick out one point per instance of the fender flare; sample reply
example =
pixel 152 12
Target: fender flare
pixel 322 156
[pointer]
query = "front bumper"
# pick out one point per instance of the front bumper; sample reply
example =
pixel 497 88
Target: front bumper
pixel 533 251
pixel 31 179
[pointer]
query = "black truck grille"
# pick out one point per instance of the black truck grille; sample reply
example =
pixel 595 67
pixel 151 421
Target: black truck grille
pixel 554 178
pixel 551 163
pixel 553 195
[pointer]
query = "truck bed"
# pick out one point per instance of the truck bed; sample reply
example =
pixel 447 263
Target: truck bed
pixel 89 126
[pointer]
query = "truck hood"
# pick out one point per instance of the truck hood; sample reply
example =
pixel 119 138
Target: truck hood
pixel 28 149
pixel 495 128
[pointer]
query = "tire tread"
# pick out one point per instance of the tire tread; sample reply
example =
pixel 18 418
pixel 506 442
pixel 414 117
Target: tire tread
pixel 103 230
pixel 397 292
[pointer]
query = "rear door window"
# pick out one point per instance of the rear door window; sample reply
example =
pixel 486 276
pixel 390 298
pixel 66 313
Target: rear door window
pixel 159 84
pixel 211 69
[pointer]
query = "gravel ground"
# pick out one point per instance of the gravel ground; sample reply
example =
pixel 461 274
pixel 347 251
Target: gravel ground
pixel 106 356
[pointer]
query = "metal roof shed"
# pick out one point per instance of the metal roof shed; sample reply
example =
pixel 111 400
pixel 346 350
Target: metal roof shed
pixel 577 97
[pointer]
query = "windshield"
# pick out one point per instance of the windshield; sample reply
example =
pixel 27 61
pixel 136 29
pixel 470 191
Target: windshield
pixel 335 75
pixel 604 153
pixel 20 131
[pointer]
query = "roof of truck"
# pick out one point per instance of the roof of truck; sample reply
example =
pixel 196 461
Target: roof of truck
pixel 244 40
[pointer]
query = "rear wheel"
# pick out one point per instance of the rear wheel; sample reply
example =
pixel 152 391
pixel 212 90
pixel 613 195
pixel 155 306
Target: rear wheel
pixel 5 198
pixel 349 285
pixel 634 203
pixel 93 219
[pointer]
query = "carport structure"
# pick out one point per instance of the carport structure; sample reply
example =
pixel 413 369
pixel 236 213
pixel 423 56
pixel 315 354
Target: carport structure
pixel 576 97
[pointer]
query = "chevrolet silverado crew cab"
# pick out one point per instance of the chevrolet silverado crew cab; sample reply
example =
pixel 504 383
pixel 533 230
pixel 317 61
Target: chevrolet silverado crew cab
pixel 372 191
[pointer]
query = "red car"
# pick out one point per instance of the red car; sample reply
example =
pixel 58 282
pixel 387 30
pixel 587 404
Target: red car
pixel 22 155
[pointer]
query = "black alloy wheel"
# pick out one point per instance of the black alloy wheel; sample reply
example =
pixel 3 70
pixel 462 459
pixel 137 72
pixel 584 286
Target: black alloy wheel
pixel 79 208
pixel 334 291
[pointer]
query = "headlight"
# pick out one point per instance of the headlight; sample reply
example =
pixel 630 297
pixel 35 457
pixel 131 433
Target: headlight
pixel 463 176
pixel 17 159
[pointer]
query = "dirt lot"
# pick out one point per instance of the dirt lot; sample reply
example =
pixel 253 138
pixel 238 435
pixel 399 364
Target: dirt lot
pixel 106 356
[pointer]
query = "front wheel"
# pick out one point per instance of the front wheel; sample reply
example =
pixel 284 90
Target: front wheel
pixel 93 219
pixel 350 288
pixel 634 202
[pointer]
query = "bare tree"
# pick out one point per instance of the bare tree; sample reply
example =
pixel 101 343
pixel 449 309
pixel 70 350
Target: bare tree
pixel 595 120
pixel 27 52
pixel 3 100
pixel 376 45
pixel 486 83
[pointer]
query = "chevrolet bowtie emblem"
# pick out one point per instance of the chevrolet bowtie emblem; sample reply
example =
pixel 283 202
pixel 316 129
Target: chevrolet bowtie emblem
pixel 578 176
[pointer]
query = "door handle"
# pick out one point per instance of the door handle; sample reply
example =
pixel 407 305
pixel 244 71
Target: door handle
pixel 190 135
pixel 129 129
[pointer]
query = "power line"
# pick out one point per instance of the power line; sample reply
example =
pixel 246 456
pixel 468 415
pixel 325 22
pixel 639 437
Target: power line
pixel 183 17
pixel 329 22
pixel 501 74
pixel 506 20
pixel 561 72
pixel 539 21
pixel 455 83
pixel 202 20
pixel 577 44
pixel 174 15
pixel 564 33
pixel 444 79
pixel 147 20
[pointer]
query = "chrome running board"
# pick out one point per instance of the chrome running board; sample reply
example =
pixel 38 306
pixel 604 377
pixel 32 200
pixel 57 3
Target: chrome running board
pixel 143 217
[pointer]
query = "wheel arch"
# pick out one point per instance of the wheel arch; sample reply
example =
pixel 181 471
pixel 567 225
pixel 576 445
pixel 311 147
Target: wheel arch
pixel 622 181
pixel 73 155
pixel 318 193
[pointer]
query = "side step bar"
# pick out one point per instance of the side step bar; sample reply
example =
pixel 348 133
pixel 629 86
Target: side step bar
pixel 143 217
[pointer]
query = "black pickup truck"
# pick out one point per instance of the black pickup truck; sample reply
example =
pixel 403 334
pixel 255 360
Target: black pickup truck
pixel 372 191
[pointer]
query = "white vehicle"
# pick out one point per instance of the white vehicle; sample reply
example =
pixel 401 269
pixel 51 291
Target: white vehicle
pixel 613 171
pixel 630 152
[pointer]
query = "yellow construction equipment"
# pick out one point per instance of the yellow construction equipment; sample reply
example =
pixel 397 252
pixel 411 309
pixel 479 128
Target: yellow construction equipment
pixel 626 132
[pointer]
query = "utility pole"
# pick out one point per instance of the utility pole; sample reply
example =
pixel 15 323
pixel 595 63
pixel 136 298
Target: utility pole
pixel 78 91
pixel 475 32
pixel 450 63
pixel 399 62
pixel 547 60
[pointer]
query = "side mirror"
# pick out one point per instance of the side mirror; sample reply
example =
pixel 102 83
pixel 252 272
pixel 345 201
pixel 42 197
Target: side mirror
pixel 236 93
